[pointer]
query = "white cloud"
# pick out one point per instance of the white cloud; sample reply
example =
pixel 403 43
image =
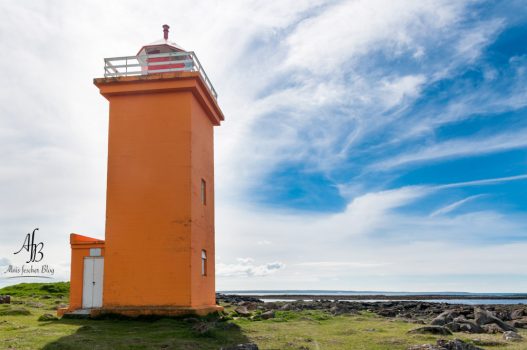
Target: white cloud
pixel 473 42
pixel 394 250
pixel 453 206
pixel 368 212
pixel 457 148
pixel 349 29
pixel 340 264
pixel 406 86
pixel 484 182
pixel 247 268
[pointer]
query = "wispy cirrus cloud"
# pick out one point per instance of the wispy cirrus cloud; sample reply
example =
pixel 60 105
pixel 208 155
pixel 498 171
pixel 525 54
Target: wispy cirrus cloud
pixel 453 206
pixel 457 148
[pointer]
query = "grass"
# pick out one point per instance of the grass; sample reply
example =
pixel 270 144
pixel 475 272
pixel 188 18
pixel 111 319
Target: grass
pixel 289 330
pixel 59 289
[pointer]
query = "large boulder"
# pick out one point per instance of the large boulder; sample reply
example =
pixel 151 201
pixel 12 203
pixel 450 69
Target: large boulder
pixel 436 330
pixel 492 328
pixel 463 325
pixel 518 314
pixel 5 299
pixel 484 317
pixel 444 318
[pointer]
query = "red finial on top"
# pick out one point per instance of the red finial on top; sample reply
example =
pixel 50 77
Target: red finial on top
pixel 165 31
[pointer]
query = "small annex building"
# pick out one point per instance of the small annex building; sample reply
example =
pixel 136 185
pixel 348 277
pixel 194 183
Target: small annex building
pixel 157 257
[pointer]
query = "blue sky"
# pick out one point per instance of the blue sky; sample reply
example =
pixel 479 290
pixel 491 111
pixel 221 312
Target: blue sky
pixel 368 145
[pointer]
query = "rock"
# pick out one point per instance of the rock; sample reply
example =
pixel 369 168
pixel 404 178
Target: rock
pixel 463 325
pixel 504 315
pixel 492 328
pixel 249 305
pixel 456 344
pixel 444 318
pixel 242 311
pixel 426 347
pixel 286 307
pixel 268 314
pixel 453 326
pixel 483 317
pixel 341 308
pixel 517 314
pixel 248 346
pixel 487 342
pixel 234 299
pixel 519 323
pixel 437 330
pixel 443 344
pixel 387 313
pixel 47 317
pixel 512 336
pixel 5 299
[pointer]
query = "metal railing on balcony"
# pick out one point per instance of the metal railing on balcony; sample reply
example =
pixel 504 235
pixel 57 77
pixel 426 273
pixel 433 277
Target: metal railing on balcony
pixel 157 63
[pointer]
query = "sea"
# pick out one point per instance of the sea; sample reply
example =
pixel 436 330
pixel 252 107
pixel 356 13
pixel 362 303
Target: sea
pixel 475 298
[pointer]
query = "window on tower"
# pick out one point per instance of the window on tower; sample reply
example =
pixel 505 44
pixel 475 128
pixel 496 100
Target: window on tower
pixel 203 192
pixel 204 262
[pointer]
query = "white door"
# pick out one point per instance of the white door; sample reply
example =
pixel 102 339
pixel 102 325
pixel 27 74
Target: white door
pixel 92 285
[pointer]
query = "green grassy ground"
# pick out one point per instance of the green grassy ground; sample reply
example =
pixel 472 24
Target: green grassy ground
pixel 58 289
pixel 289 330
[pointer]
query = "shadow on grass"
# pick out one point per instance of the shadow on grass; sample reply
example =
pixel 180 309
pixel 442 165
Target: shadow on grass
pixel 161 333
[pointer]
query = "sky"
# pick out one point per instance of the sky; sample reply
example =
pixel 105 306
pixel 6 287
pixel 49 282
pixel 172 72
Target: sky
pixel 367 145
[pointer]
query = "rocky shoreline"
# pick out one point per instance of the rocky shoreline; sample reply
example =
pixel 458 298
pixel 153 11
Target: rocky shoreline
pixel 388 297
pixel 429 317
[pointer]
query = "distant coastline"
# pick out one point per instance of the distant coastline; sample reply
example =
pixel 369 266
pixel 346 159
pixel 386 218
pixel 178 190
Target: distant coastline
pixel 385 297
pixel 374 296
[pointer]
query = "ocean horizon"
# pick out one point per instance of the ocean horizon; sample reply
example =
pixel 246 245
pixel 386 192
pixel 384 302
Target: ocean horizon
pixel 365 292
pixel 466 298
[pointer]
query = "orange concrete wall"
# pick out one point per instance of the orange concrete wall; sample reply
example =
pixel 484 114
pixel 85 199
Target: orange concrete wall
pixel 78 253
pixel 202 160
pixel 148 200
pixel 160 147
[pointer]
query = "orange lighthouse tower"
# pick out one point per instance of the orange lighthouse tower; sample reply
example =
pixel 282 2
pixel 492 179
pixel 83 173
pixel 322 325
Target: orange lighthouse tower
pixel 158 254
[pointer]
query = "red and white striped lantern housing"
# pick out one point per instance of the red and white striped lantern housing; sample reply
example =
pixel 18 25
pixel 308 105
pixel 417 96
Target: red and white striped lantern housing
pixel 152 56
